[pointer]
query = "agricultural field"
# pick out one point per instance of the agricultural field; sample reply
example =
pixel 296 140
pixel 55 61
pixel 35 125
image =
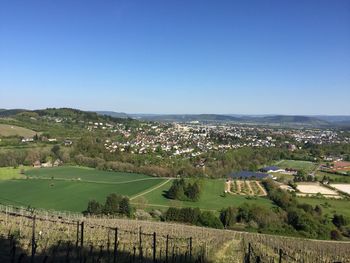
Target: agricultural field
pixel 314 189
pixel 212 197
pixel 85 174
pixel 70 188
pixel 297 165
pixel 7 173
pixel 12 130
pixel 247 187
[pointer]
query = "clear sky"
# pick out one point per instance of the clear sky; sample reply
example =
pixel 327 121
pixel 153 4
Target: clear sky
pixel 177 56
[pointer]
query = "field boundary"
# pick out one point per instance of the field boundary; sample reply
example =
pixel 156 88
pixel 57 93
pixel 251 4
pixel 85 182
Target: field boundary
pixel 150 190
pixel 89 181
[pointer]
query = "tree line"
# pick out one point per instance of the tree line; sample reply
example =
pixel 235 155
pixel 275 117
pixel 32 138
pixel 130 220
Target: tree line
pixel 114 205
pixel 180 190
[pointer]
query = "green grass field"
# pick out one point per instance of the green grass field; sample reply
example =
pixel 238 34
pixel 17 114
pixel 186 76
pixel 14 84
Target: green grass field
pixel 85 174
pixel 7 173
pixel 64 195
pixel 335 177
pixel 12 130
pixel 65 191
pixel 70 188
pixel 298 165
pixel 329 206
pixel 211 197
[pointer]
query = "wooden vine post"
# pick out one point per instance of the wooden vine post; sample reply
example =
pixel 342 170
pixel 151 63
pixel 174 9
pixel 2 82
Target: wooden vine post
pixel 115 245
pixel 154 246
pixel 33 240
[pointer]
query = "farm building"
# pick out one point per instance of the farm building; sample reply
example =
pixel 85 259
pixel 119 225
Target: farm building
pixel 272 169
pixel 248 175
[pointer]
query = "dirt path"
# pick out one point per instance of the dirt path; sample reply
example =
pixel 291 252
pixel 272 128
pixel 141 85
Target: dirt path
pixel 231 251
pixel 280 161
pixel 313 173
pixel 262 189
pixel 150 190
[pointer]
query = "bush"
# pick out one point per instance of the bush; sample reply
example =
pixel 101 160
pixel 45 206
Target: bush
pixel 208 219
pixel 339 220
pixel 228 217
pixel 336 235
pixel 94 208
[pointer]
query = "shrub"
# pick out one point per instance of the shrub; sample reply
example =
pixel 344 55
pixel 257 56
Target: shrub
pixel 208 219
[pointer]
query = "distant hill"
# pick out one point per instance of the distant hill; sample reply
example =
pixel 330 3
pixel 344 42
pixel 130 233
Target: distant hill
pixel 190 117
pixel 7 113
pixel 113 114
pixel 275 120
pixel 25 116
pixel 267 120
pixel 287 119
pixel 333 118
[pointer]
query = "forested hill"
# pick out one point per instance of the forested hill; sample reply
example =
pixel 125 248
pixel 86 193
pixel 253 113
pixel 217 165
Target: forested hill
pixel 191 117
pixel 287 119
pixel 282 120
pixel 65 113
pixel 61 122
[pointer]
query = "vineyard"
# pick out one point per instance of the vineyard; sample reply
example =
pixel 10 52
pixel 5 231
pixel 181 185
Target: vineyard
pixel 26 236
pixel 245 187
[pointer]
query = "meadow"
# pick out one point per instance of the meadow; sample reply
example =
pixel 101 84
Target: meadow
pixel 333 177
pixel 298 165
pixel 212 197
pixel 12 130
pixel 329 206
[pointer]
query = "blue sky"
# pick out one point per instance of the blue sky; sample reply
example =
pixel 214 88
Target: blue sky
pixel 177 56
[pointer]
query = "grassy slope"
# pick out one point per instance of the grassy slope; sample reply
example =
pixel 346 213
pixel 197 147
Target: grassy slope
pixel 11 130
pixel 211 198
